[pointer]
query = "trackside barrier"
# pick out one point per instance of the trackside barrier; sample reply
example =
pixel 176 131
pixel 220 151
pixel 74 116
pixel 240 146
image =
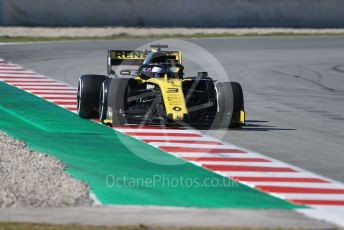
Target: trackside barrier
pixel 179 13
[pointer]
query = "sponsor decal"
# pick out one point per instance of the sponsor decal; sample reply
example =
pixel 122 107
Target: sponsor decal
pixel 172 90
pixel 149 86
pixel 125 55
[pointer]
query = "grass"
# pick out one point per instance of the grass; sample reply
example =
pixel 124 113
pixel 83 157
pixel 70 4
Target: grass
pixel 5 39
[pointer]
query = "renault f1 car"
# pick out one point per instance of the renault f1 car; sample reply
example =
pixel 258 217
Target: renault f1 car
pixel 150 87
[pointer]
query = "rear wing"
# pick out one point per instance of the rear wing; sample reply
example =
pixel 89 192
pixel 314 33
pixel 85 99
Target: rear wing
pixel 134 58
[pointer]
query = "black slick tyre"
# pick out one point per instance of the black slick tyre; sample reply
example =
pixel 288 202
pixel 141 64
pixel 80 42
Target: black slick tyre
pixel 117 100
pixel 238 106
pixel 103 100
pixel 88 95
pixel 230 102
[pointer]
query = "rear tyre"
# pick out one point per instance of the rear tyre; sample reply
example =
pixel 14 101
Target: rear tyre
pixel 88 95
pixel 117 100
pixel 230 102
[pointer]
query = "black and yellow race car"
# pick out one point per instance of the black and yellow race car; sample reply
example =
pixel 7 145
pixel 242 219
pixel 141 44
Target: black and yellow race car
pixel 149 87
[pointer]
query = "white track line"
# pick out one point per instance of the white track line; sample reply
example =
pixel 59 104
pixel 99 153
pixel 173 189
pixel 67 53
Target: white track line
pixel 52 87
pixel 267 164
pixel 68 106
pixel 269 174
pixel 162 131
pixel 162 138
pixel 2 64
pixel 20 75
pixel 219 155
pixel 298 184
pixel 62 100
pixel 27 80
pixel 9 67
pixel 297 196
pixel 17 72
pixel 38 83
pixel 54 96
pixel 159 144
pixel 51 91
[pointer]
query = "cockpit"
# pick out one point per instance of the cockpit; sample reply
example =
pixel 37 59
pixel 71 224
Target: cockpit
pixel 157 64
pixel 161 70
pixel 160 58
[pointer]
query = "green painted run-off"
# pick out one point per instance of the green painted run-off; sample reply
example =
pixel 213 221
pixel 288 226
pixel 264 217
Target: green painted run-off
pixel 94 152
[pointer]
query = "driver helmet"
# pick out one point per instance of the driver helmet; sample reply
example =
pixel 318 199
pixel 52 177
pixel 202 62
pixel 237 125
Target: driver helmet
pixel 157 71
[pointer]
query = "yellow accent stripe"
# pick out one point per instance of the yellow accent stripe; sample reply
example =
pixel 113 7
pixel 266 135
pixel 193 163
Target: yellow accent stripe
pixel 242 117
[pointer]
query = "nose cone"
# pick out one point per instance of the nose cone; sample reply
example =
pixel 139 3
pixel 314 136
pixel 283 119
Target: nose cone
pixel 176 117
pixel 179 118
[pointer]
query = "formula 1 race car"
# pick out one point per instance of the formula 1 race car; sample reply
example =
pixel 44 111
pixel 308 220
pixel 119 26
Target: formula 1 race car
pixel 149 87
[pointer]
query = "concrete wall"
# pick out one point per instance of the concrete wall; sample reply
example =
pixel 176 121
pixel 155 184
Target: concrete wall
pixel 184 13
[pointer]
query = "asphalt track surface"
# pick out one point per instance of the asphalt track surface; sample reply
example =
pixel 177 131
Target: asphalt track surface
pixel 165 216
pixel 293 89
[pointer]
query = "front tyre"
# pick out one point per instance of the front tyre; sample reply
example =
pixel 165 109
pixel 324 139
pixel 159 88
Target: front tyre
pixel 117 100
pixel 103 100
pixel 238 117
pixel 230 105
pixel 88 95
